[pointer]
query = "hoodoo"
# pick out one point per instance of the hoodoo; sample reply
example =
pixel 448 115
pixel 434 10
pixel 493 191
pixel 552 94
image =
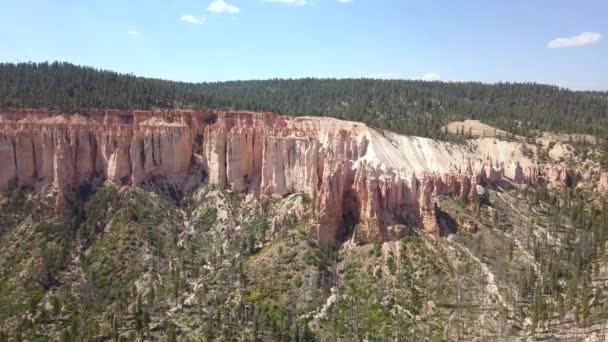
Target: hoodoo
pixel 381 179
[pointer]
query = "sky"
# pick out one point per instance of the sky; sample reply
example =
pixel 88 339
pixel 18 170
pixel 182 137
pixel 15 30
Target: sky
pixel 547 41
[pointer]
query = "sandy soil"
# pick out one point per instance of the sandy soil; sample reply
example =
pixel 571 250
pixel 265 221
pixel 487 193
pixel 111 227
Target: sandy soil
pixel 547 137
pixel 475 128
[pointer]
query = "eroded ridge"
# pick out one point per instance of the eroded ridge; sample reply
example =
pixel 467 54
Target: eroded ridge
pixel 355 174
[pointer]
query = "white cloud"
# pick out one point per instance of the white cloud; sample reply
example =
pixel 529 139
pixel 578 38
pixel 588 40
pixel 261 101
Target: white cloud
pixel 222 7
pixel 585 38
pixel 345 1
pixel 429 77
pixel 290 2
pixel 192 19
pixel 134 33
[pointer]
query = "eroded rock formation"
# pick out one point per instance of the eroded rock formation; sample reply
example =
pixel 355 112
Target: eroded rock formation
pixel 602 185
pixel 357 175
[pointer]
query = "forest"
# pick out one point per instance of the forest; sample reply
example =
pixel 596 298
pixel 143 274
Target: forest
pixel 404 106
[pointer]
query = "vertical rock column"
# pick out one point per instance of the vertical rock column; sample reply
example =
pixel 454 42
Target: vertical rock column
pixel 115 152
pixel 215 155
pixel 329 203
pixel 160 150
pixel 428 207
pixel 26 157
pixel 8 171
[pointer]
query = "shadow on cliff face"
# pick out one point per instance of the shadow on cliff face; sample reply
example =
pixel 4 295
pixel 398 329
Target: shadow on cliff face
pixel 447 225
pixel 212 119
pixel 85 191
pixel 349 220
pixel 500 185
pixel 350 217
pixel 163 187
pixel 198 146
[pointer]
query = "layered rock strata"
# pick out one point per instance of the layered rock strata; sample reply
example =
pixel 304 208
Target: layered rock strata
pixel 355 174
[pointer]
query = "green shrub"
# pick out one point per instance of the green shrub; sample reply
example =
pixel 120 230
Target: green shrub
pixel 35 298
pixel 376 250
pixel 390 263
pixel 51 230
pixel 207 219
pixel 55 257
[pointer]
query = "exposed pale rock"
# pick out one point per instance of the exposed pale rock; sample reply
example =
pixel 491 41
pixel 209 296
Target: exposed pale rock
pixel 380 180
pixel 158 148
pixel 8 167
pixel 474 128
pixel 26 157
pixel 557 174
pixel 331 192
pixel 70 150
pixel 63 163
pixel 602 185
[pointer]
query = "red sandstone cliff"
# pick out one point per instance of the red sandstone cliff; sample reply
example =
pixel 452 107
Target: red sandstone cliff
pixel 381 179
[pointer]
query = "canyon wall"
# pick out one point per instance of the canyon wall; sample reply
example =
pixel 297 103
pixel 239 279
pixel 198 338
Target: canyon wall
pixel 357 175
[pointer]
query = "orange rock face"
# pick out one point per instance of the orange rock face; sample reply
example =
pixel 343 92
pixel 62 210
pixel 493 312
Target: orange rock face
pixel 377 179
pixel 68 151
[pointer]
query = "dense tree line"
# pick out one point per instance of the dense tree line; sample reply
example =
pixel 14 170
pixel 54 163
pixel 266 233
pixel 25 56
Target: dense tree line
pixel 405 106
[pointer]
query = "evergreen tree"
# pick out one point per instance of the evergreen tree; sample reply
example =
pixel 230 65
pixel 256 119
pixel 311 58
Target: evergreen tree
pixel 409 107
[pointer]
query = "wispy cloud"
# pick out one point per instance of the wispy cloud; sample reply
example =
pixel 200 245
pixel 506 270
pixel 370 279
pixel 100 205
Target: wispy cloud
pixel 385 76
pixel 429 77
pixel 585 38
pixel 192 19
pixel 134 33
pixel 379 75
pixel 345 1
pixel 290 2
pixel 222 7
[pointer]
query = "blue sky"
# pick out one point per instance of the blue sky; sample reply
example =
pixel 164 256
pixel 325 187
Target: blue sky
pixel 208 40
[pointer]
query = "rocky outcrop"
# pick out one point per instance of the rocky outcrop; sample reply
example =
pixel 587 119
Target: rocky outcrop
pixel 68 151
pixel 602 185
pixel 158 148
pixel 358 176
